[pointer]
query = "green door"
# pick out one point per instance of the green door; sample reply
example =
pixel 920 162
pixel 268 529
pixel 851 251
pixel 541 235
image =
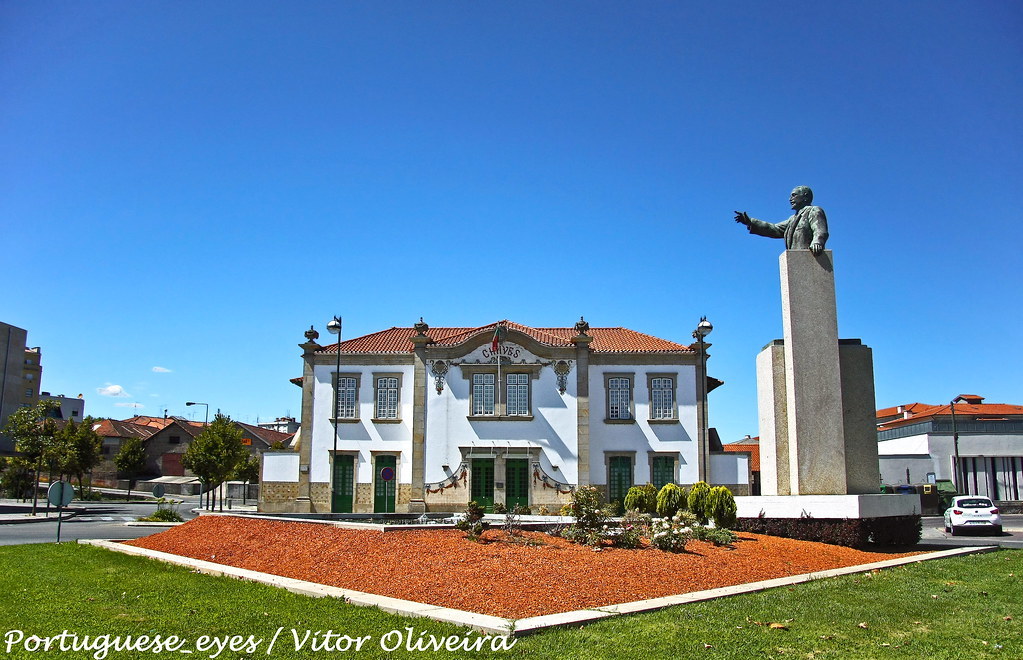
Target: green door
pixel 385 479
pixel 343 486
pixel 482 486
pixel 516 482
pixel 664 471
pixel 620 478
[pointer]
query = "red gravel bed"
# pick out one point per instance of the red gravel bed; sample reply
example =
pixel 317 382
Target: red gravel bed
pixel 497 576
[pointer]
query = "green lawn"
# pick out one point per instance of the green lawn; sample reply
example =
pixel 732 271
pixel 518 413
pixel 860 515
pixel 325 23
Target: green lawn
pixel 969 607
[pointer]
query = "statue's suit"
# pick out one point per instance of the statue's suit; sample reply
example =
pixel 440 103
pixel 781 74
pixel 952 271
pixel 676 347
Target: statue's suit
pixel 809 225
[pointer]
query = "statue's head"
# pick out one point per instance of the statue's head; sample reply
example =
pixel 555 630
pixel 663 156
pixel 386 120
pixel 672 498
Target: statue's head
pixel 801 196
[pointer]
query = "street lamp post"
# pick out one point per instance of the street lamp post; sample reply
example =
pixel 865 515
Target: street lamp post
pixel 957 470
pixel 334 327
pixel 703 328
pixel 205 423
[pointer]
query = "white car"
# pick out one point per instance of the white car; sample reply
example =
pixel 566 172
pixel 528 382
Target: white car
pixel 972 512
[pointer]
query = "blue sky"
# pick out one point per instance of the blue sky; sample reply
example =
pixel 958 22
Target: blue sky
pixel 188 186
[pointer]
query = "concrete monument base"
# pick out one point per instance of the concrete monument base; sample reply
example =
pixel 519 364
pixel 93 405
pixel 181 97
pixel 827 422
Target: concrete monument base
pixel 840 507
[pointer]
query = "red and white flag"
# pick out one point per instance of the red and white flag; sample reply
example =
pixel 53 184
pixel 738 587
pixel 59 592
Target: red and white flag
pixel 495 343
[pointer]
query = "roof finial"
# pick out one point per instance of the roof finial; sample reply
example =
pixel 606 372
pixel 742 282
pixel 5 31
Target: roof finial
pixel 311 334
pixel 581 326
pixel 421 328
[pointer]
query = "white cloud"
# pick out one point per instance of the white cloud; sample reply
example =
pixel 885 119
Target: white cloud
pixel 129 405
pixel 161 370
pixel 112 390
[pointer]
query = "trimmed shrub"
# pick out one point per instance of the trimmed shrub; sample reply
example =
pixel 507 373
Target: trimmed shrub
pixel 699 499
pixel 721 506
pixel 671 499
pixel 852 533
pixel 895 530
pixel 856 533
pixel 642 499
pixel 635 499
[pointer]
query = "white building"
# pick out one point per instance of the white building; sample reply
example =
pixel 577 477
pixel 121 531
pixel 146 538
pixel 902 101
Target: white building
pixel 428 418
pixel 916 445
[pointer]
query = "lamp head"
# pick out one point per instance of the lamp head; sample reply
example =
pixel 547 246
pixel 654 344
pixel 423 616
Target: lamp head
pixel 334 327
pixel 704 328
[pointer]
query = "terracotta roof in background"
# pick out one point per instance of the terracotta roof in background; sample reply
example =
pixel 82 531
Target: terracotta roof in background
pixel 746 445
pixel 911 408
pixel 921 412
pixel 605 340
pixel 269 436
pixel 112 428
pixel 143 420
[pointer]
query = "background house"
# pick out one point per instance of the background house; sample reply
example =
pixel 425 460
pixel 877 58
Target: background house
pixel 915 445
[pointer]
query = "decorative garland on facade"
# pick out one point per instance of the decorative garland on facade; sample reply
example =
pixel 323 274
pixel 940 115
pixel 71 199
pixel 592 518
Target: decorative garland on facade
pixel 550 482
pixel 461 474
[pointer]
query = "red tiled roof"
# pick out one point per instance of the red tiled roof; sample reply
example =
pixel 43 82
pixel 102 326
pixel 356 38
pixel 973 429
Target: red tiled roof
pixel 605 340
pixel 752 447
pixel 143 420
pixel 269 436
pixel 112 428
pixel 921 411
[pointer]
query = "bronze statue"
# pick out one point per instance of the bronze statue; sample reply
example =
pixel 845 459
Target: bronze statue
pixel 806 229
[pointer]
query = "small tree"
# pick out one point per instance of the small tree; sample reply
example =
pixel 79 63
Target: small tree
pixel 77 449
pixel 16 480
pixel 131 460
pixel 247 471
pixel 473 523
pixel 215 452
pixel 671 499
pixel 722 507
pixel 698 501
pixel 33 435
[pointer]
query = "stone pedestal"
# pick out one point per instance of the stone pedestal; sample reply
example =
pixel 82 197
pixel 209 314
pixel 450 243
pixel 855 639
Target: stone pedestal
pixel 815 393
pixel 831 507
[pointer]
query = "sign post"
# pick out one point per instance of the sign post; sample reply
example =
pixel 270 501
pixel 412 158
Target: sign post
pixel 387 475
pixel 60 494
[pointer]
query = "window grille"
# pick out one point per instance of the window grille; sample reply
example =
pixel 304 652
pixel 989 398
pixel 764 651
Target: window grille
pixel 483 394
pixel 518 394
pixel 387 398
pixel 346 392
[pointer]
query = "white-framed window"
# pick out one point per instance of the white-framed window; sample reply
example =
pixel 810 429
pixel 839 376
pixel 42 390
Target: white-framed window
pixel 517 394
pixel 619 397
pixel 347 397
pixel 662 398
pixel 483 394
pixel 387 397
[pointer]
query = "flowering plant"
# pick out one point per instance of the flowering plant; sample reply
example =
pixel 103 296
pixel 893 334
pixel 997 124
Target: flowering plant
pixel 672 534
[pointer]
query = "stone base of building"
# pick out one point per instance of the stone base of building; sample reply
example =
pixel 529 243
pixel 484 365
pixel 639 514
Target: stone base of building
pixel 832 507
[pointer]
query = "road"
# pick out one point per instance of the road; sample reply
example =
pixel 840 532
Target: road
pixel 1012 534
pixel 98 520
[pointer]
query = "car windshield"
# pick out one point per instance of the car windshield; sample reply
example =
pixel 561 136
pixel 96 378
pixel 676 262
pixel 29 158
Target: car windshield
pixel 976 503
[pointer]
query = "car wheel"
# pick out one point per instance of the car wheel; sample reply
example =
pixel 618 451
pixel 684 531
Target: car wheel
pixel 954 531
pixel 947 529
pixel 998 530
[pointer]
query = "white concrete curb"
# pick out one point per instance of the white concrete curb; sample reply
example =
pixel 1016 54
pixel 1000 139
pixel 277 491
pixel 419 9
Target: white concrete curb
pixel 482 622
pixel 501 626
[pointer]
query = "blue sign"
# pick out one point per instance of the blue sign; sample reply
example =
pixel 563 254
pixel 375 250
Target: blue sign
pixel 387 474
